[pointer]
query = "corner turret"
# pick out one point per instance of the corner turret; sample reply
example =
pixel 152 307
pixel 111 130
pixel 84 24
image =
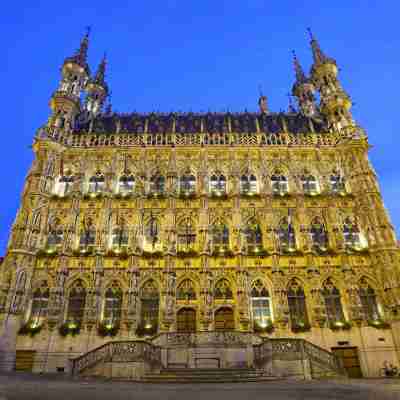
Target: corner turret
pixel 97 90
pixel 303 89
pixel 65 102
pixel 335 103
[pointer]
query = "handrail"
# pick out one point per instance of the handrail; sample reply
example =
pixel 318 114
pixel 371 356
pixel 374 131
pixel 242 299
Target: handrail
pixel 297 349
pixel 128 350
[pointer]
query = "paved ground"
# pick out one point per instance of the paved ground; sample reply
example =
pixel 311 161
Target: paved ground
pixel 33 387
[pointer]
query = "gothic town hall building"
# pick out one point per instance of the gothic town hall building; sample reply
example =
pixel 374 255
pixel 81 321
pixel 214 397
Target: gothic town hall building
pixel 244 230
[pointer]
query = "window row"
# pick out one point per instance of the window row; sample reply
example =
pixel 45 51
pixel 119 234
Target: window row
pixel 260 302
pixel 218 235
pixel 186 185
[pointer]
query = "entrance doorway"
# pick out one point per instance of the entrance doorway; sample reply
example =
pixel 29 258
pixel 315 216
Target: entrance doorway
pixel 350 360
pixel 186 320
pixel 224 319
pixel 24 360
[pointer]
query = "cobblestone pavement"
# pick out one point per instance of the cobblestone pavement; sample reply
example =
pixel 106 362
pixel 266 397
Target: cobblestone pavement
pixel 31 387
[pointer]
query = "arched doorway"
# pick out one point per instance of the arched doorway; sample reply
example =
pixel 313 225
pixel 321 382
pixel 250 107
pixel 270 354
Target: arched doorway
pixel 224 319
pixel 186 320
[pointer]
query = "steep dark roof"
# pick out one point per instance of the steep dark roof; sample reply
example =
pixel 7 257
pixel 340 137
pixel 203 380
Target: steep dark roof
pixel 156 123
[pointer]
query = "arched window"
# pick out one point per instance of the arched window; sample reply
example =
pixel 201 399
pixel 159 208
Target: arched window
pixel 88 234
pixel 96 183
pixel 333 303
pixel 185 291
pixel 120 237
pixel 338 183
pixel 286 236
pixel 310 184
pixel 157 185
pixel 260 305
pixel 64 185
pixel 112 305
pixel 351 234
pixel 224 319
pixel 220 237
pixel 186 320
pixel 368 301
pixel 319 236
pixel 187 184
pixel 248 185
pixel 76 303
pixel 55 237
pixel 253 235
pixel 222 290
pixel 149 298
pixel 279 184
pixel 126 184
pixel 186 235
pixel 217 185
pixel 297 304
pixel 40 302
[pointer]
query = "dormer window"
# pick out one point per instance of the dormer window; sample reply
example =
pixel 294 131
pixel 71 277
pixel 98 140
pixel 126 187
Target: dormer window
pixel 55 238
pixel 157 185
pixel 119 237
pixel 96 183
pixel 337 182
pixel 248 185
pixel 310 185
pixel 64 185
pixel 217 185
pixel 187 185
pixel 126 184
pixel 279 184
pixel 352 236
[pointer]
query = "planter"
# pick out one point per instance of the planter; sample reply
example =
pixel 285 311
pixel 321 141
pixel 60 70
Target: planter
pixel 30 329
pixel 146 330
pixel 69 328
pixel 340 325
pixel 299 327
pixel 268 328
pixel 379 324
pixel 107 329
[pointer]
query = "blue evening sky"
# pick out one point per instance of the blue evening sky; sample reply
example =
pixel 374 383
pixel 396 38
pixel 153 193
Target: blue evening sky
pixel 197 55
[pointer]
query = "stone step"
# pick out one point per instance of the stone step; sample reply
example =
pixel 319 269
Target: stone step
pixel 206 379
pixel 176 375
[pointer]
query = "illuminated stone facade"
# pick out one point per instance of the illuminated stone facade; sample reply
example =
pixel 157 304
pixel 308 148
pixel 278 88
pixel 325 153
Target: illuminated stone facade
pixel 261 222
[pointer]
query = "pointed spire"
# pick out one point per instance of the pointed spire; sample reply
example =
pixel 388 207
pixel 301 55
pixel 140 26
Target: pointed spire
pixel 83 49
pixel 300 75
pixel 318 55
pixel 80 56
pixel 101 72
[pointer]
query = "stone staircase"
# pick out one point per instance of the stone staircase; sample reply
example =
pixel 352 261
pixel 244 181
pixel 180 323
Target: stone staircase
pixel 208 357
pixel 207 375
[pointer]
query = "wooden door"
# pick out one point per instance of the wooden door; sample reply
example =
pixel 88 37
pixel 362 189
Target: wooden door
pixel 24 360
pixel 350 360
pixel 224 319
pixel 186 320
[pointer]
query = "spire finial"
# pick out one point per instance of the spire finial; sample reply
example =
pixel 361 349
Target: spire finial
pixel 262 101
pixel 300 75
pixel 80 56
pixel 82 52
pixel 318 55
pixel 291 107
pixel 310 33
